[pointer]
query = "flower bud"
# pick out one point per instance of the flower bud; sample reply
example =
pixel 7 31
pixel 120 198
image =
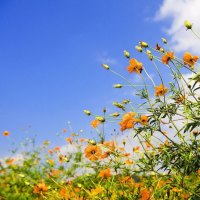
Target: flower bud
pixel 126 101
pixel 162 50
pixel 148 51
pixel 119 105
pixel 124 142
pixel 150 56
pixel 143 44
pixel 117 86
pixel 106 66
pixel 138 48
pixel 87 112
pixel 188 24
pixel 164 40
pixel 93 142
pixel 65 159
pixel 101 119
pixel 79 185
pixel 116 114
pixel 126 54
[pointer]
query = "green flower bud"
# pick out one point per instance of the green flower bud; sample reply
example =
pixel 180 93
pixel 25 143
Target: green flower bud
pixel 162 50
pixel 117 86
pixel 101 119
pixel 93 142
pixel 188 24
pixel 143 44
pixel 119 105
pixel 87 112
pixel 106 66
pixel 125 101
pixel 138 48
pixel 126 54
pixel 150 56
pixel 148 52
pixel 164 40
pixel 116 114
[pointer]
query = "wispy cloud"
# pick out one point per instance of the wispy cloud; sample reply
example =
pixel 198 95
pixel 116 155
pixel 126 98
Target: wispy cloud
pixel 178 11
pixel 105 58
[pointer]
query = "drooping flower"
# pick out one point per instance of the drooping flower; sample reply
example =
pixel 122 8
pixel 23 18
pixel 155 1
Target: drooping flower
pixel 167 57
pixel 189 59
pixel 93 152
pixel 95 123
pixel 160 90
pixel 128 121
pixel 105 173
pixel 134 66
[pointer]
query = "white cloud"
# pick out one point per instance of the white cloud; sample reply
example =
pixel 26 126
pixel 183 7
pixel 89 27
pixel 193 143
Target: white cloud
pixel 178 11
pixel 104 58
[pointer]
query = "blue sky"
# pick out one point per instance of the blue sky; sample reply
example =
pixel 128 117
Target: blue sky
pixel 50 60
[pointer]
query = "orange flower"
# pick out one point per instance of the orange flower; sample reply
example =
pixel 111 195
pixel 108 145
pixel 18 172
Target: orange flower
pixel 50 151
pixel 167 57
pixel 134 66
pixel 160 90
pixel 189 59
pixel 145 194
pixel 105 173
pixel 57 149
pixel 126 180
pixel 64 130
pixel 126 154
pixel 95 123
pixel 55 172
pixel 61 159
pixel 136 149
pixel 6 133
pixel 51 162
pixel 128 121
pixel 144 119
pixel 10 161
pixel 93 152
pixel 180 99
pixel 148 145
pixel 40 188
pixel 82 139
pixel 69 140
pixel 129 162
pixel 108 148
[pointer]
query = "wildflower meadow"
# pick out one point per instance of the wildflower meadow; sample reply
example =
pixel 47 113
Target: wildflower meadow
pixel 159 160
